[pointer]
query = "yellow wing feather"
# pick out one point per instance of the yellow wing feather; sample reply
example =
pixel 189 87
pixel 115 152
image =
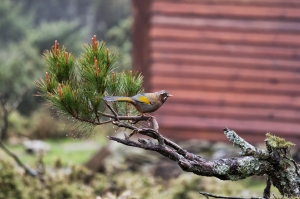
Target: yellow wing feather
pixel 144 99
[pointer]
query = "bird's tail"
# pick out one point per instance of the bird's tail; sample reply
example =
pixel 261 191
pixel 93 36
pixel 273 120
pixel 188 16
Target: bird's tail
pixel 118 99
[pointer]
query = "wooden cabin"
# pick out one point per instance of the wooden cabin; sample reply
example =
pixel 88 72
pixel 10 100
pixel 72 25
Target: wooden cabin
pixel 228 63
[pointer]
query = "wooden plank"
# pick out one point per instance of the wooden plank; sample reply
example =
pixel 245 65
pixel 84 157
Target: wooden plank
pixel 233 37
pixel 221 49
pixel 227 10
pixel 178 122
pixel 233 112
pixel 201 134
pixel 248 25
pixel 239 99
pixel 238 61
pixel 218 135
pixel 268 3
pixel 218 71
pixel 196 83
pixel 140 37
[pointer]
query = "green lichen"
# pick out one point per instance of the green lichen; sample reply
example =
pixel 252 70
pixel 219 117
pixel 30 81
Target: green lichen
pixel 221 169
pixel 277 142
pixel 247 165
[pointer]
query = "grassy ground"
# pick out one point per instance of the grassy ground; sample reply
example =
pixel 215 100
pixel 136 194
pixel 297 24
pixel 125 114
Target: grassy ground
pixel 68 150
pixel 72 151
pixel 77 151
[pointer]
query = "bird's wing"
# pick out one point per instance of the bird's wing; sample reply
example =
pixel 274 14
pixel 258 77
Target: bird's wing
pixel 143 99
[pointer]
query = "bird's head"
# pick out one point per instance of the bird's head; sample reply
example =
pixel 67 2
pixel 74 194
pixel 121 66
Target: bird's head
pixel 163 95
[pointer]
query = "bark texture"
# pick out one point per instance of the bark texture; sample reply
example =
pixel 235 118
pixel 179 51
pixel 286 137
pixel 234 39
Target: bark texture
pixel 275 162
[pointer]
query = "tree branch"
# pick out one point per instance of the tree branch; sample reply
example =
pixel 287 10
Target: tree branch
pixel 272 162
pixel 228 197
pixel 267 190
pixel 246 148
pixel 111 109
pixel 19 162
pixel 116 117
pixel 224 169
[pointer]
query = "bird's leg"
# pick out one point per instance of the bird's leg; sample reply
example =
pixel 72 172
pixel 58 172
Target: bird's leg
pixel 148 115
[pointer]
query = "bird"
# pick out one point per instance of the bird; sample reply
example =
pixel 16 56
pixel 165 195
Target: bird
pixel 145 102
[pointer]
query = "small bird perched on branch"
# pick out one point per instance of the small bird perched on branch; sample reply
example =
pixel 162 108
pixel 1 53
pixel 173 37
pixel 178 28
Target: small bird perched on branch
pixel 145 102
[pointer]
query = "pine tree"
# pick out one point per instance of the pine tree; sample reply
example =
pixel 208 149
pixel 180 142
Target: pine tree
pixel 75 87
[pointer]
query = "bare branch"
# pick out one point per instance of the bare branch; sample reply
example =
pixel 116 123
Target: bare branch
pixel 16 158
pixel 227 197
pixel 247 149
pixel 111 109
pixel 267 190
pixel 224 169
pixel 274 163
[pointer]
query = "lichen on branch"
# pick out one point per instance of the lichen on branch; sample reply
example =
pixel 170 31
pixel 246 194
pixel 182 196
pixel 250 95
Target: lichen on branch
pixel 273 163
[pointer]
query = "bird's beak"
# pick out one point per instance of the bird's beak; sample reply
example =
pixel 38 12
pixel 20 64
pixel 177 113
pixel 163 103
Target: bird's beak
pixel 169 95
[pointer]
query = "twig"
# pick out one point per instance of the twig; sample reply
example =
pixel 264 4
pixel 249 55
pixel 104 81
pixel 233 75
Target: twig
pixel 246 148
pixel 7 110
pixel 295 164
pixel 125 125
pixel 153 134
pixel 111 109
pixel 267 190
pixel 229 197
pixel 8 152
pixel 133 118
pixel 3 129
pixel 91 121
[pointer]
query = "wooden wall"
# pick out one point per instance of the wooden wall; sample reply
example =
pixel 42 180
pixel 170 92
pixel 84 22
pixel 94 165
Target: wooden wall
pixel 228 63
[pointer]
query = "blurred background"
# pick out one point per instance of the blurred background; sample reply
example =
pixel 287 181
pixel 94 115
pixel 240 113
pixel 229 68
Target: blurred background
pixel 228 63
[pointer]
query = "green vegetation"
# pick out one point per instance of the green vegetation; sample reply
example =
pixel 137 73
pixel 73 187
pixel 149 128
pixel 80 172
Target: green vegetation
pixel 68 150
pixel 21 43
pixel 118 38
pixel 28 27
pixel 76 86
pixel 77 182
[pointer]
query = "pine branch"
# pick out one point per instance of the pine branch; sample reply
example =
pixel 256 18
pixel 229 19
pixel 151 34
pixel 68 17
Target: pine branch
pixel 76 86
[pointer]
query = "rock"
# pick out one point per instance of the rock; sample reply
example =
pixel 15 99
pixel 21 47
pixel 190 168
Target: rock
pixel 36 146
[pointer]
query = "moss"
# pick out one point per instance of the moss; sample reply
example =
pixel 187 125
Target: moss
pixel 277 142
pixel 78 182
pixel 9 182
pixel 55 184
